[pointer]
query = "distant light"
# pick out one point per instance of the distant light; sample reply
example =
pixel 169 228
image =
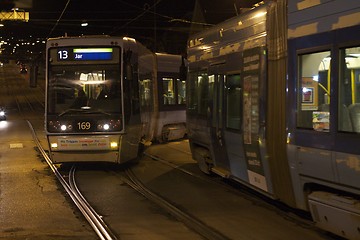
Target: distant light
pixel 3 124
pixel 84 24
pixel 1 25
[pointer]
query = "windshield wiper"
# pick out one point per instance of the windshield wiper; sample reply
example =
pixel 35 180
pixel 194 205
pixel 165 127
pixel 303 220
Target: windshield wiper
pixel 85 111
pixel 97 111
pixel 71 110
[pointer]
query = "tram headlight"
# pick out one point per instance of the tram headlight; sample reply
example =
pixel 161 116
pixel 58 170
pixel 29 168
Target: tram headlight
pixel 54 145
pixel 2 114
pixel 57 126
pixel 109 125
pixel 113 144
pixel 65 127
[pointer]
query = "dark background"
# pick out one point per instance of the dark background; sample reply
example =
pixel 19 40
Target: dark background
pixel 161 25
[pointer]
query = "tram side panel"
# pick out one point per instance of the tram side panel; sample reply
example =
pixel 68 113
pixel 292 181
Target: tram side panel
pixel 319 155
pixel 135 67
pixel 229 86
pixel 323 151
pixel 197 122
pixel 148 105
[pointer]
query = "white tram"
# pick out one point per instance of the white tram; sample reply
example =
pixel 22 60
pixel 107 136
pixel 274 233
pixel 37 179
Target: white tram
pixel 100 98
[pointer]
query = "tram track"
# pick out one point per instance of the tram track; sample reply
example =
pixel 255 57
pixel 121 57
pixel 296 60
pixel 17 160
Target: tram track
pixel 190 221
pixel 94 219
pixel 298 217
pixel 128 177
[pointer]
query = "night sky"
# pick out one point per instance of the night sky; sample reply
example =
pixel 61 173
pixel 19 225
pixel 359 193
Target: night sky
pixel 161 25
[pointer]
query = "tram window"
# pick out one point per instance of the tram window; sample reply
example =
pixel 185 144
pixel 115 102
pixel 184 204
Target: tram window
pixel 168 91
pixel 233 102
pixel 181 88
pixel 198 93
pixel 314 91
pixel 349 90
pixel 66 82
pixel 145 89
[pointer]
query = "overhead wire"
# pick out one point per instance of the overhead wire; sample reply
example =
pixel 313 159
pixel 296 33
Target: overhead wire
pixel 58 20
pixel 136 18
pixel 171 19
pixel 149 10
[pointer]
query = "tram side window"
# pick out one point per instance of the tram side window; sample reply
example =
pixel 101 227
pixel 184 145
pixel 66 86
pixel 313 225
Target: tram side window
pixel 173 91
pixel 233 102
pixel 198 93
pixel 168 91
pixel 349 90
pixel 181 88
pixel 314 91
pixel 145 92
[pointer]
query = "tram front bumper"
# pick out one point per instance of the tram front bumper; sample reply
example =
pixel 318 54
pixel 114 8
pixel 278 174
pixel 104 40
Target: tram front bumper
pixel 84 148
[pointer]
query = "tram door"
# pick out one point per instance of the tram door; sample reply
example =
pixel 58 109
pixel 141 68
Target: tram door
pixel 233 92
pixel 216 86
pixel 253 115
pixel 244 117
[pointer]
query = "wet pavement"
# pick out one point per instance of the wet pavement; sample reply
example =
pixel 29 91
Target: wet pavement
pixel 32 204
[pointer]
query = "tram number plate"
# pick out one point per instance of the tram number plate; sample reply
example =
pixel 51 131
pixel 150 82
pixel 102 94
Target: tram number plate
pixel 84 126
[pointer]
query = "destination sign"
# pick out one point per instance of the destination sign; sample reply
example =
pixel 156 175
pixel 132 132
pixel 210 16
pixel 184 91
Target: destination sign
pixel 84 54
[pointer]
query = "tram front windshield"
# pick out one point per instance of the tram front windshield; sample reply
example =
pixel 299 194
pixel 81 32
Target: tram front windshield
pixel 73 89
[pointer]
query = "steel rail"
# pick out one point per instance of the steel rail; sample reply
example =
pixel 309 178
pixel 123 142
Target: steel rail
pixel 91 217
pixel 75 188
pixel 282 210
pixel 190 221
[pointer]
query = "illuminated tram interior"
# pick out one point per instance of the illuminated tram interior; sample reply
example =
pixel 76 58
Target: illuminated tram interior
pixel 314 99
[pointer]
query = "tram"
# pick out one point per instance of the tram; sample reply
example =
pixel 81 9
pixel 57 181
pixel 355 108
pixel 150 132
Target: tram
pixel 92 110
pixel 101 98
pixel 273 102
